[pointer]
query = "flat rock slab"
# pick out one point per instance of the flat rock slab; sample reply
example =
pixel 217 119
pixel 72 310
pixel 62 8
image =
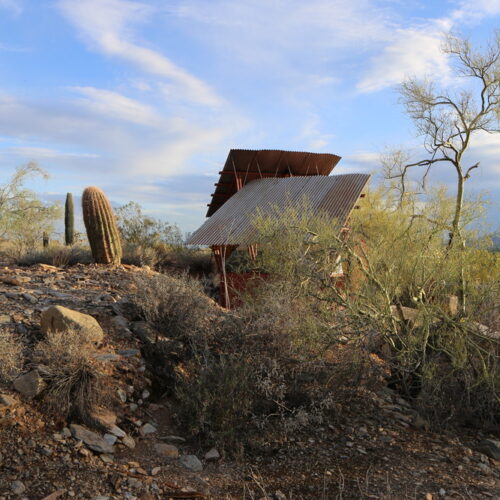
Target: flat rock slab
pixel 91 439
pixel 62 319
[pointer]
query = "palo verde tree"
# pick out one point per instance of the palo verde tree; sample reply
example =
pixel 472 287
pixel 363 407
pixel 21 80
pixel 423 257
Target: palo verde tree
pixel 448 120
pixel 24 218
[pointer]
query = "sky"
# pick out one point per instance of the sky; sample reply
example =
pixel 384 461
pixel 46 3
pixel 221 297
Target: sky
pixel 145 98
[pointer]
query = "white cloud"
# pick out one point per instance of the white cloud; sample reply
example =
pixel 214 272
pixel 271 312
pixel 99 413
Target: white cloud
pixel 273 28
pixel 114 105
pixel 472 12
pixel 417 50
pixel 10 48
pixel 14 6
pixel 360 162
pixel 163 152
pixel 172 157
pixel 45 153
pixel 311 135
pixel 414 51
pixel 107 25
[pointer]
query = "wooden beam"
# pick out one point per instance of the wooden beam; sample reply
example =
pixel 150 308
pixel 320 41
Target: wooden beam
pixel 250 172
pixel 222 194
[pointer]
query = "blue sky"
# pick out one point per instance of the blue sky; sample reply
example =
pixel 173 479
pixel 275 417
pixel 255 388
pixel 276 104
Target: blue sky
pixel 145 98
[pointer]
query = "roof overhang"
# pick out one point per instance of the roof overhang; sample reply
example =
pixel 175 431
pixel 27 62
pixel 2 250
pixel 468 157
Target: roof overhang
pixel 245 165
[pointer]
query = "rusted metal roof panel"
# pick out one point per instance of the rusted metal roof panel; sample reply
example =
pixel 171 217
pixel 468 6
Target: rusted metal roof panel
pixel 232 224
pixel 248 165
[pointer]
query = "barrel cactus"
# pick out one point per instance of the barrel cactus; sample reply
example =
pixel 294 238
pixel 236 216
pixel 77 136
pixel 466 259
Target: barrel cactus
pixel 69 220
pixel 100 224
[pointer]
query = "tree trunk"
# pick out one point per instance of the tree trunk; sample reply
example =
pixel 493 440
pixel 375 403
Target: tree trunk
pixel 455 232
pixel 456 237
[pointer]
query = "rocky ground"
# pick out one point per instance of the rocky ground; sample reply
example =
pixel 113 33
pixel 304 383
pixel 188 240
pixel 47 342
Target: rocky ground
pixel 378 447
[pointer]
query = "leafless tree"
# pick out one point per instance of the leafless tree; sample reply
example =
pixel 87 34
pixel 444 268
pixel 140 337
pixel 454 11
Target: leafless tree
pixel 449 119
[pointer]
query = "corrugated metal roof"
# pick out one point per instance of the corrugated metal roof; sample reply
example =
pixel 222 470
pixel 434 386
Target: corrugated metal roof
pixel 251 164
pixel 232 224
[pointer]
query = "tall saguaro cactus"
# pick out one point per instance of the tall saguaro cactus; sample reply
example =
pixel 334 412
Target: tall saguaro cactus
pixel 100 224
pixel 69 220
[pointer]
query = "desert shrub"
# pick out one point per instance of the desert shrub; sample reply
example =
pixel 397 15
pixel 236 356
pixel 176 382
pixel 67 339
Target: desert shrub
pixel 137 255
pixel 175 306
pixel 265 368
pixel 216 400
pixel 65 361
pixel 401 275
pixel 11 356
pixel 138 229
pixel 300 345
pixel 234 373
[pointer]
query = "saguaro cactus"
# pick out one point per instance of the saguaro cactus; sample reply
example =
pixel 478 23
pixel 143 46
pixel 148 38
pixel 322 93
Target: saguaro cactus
pixel 100 224
pixel 69 220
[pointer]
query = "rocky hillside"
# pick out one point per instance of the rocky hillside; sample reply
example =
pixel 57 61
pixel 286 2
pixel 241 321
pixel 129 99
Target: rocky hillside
pixel 129 448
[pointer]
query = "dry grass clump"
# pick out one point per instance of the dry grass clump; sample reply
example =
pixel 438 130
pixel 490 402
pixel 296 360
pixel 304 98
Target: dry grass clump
pixel 66 364
pixel 11 356
pixel 195 261
pixel 169 258
pixel 54 255
pixel 138 255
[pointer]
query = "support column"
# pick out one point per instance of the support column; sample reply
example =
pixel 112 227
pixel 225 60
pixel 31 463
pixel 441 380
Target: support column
pixel 221 253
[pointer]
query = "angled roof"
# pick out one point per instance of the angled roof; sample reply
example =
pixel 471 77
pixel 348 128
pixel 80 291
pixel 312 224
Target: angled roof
pixel 334 195
pixel 248 164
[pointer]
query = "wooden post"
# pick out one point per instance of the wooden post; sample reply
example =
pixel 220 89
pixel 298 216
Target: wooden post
pixel 221 253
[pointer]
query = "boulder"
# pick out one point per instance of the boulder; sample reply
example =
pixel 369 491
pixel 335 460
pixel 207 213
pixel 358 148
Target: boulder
pixel 212 454
pixel 191 462
pixel 91 439
pixel 29 384
pixel 62 319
